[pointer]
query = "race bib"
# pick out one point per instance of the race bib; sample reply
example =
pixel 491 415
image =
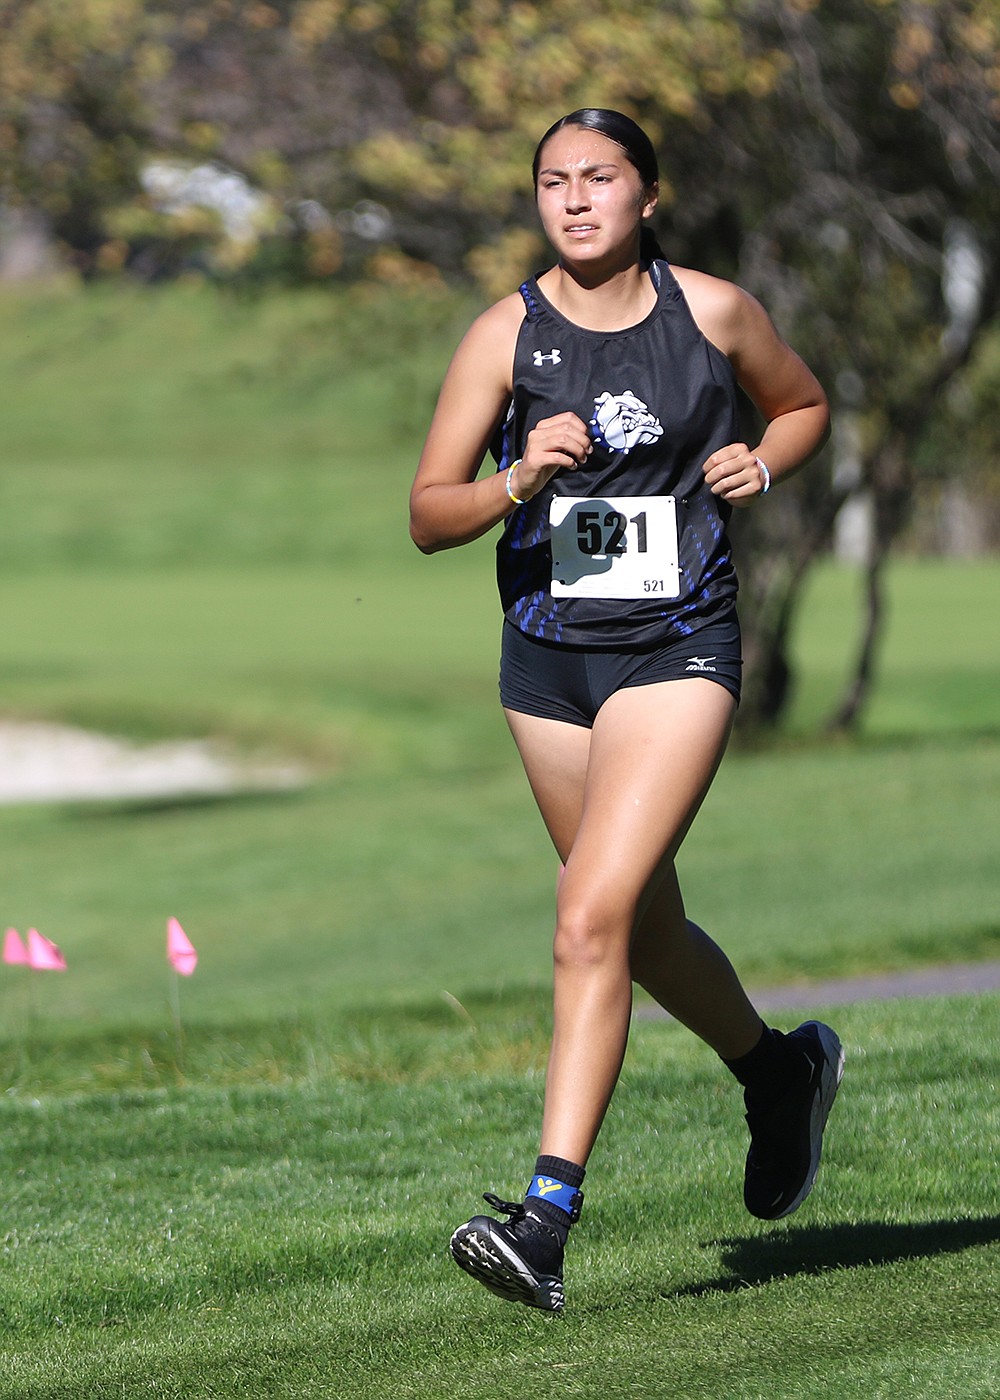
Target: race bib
pixel 614 547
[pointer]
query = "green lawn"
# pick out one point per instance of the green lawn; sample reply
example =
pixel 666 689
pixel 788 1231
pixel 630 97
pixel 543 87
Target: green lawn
pixel 202 532
pixel 289 1239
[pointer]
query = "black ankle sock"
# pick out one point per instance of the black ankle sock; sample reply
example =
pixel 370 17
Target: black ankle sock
pixel 564 1179
pixel 562 1170
pixel 768 1067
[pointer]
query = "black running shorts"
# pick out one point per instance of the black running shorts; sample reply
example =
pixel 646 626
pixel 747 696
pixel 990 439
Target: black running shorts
pixel 572 683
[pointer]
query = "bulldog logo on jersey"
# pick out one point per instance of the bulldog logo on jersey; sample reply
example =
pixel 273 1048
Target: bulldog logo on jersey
pixel 621 422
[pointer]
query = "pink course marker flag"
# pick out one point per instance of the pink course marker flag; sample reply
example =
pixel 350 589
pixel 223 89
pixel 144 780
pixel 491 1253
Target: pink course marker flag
pixel 14 951
pixel 181 953
pixel 43 955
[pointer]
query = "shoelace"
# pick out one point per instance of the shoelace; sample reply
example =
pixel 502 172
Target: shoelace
pixel 515 1211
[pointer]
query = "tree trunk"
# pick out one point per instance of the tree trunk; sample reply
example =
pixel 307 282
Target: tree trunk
pixel 776 549
pixel 855 697
pixel 892 483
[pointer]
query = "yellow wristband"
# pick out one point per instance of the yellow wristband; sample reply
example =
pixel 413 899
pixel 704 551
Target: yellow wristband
pixel 510 472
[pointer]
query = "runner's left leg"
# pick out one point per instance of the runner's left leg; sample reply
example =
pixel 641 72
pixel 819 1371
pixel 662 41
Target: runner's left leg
pixel 617 801
pixel 689 975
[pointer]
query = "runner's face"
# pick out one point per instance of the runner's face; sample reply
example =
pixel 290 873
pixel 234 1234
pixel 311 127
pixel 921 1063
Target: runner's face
pixel 591 198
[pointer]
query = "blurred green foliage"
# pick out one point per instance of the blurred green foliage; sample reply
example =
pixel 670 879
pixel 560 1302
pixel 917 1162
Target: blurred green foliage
pixel 837 158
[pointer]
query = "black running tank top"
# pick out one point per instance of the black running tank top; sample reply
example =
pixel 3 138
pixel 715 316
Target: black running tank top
pixel 659 399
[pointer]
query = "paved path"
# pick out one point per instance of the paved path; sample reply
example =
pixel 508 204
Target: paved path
pixel 955 980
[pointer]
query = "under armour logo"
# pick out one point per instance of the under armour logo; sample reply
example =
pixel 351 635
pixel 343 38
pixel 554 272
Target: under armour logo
pixel 555 358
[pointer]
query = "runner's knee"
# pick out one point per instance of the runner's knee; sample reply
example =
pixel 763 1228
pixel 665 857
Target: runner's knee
pixel 590 933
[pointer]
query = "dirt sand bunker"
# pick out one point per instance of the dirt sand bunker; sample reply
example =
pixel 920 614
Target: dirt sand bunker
pixel 42 762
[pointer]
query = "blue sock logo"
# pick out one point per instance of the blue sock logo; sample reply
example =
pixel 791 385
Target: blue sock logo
pixel 557 1193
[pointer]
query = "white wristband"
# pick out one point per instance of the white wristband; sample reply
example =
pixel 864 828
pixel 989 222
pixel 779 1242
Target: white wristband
pixel 510 474
pixel 765 477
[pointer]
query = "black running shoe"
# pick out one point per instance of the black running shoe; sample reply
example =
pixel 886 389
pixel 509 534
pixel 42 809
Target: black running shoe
pixel 520 1259
pixel 786 1133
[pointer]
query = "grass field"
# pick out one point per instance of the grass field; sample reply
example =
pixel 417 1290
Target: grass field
pixel 202 531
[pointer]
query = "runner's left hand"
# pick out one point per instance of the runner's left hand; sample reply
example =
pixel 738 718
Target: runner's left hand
pixel 732 473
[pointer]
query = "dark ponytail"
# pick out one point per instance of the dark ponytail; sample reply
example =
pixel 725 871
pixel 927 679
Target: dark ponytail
pixel 649 246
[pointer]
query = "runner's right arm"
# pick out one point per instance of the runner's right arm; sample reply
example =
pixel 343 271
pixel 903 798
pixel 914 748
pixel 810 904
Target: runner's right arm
pixel 448 505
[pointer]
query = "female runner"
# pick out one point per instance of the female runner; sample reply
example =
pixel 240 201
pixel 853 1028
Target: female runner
pixel 607 387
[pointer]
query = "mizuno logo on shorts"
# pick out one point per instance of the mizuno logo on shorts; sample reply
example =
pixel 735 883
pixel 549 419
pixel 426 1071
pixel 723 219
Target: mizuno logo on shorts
pixel 700 663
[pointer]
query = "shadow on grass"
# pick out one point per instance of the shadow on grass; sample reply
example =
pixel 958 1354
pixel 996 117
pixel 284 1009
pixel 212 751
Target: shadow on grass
pixel 169 803
pixel 763 1259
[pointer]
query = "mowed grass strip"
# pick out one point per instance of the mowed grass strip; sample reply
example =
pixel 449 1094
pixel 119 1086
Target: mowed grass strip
pixel 291 1240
